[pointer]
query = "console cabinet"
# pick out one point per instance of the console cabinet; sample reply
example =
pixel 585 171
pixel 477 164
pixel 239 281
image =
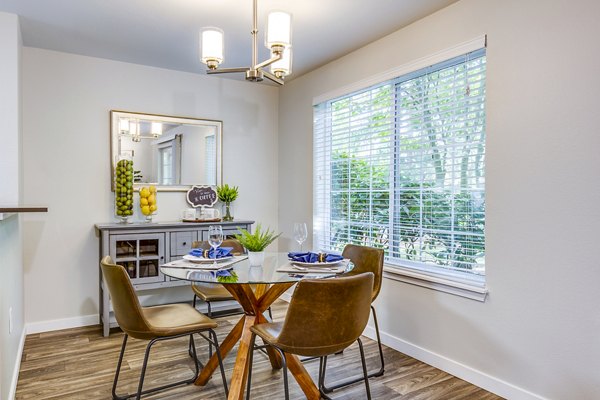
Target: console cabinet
pixel 142 248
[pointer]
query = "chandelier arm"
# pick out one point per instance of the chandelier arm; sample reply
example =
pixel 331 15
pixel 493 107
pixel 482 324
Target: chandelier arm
pixel 272 77
pixel 269 61
pixel 254 33
pixel 226 70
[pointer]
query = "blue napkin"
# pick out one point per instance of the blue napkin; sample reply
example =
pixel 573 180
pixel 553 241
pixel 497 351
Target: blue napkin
pixel 314 257
pixel 221 252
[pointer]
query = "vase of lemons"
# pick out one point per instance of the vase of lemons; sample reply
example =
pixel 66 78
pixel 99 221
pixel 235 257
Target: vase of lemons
pixel 148 205
pixel 227 194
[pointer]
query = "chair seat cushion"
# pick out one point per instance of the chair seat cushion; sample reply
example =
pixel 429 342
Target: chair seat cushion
pixel 270 334
pixel 176 319
pixel 210 292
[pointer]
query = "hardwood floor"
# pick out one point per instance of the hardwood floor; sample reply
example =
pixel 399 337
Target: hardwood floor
pixel 80 364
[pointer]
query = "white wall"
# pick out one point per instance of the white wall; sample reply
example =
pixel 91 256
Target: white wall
pixel 68 168
pixel 11 245
pixel 539 328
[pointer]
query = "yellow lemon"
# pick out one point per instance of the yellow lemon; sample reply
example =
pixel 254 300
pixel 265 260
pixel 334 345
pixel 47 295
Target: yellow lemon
pixel 143 201
pixel 146 210
pixel 153 207
pixel 152 189
pixel 152 199
pixel 144 192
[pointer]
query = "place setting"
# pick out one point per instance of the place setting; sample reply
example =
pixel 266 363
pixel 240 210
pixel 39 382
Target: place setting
pixel 215 258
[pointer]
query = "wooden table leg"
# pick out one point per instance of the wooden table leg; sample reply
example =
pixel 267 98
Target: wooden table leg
pixel 240 369
pixel 225 347
pixel 254 304
pixel 302 377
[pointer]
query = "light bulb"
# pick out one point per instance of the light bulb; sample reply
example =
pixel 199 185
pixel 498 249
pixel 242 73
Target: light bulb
pixel 212 47
pixel 283 66
pixel 156 129
pixel 279 31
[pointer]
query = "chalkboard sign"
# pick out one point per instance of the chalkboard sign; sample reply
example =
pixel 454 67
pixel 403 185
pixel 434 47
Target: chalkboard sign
pixel 201 196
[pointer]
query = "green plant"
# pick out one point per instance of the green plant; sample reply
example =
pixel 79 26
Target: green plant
pixel 258 240
pixel 227 193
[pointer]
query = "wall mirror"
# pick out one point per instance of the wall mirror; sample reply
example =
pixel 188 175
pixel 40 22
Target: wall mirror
pixel 172 153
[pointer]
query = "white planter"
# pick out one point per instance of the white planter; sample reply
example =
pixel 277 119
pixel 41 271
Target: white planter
pixel 256 258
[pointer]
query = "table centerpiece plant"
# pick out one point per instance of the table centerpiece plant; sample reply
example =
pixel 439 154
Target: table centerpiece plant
pixel 227 194
pixel 256 243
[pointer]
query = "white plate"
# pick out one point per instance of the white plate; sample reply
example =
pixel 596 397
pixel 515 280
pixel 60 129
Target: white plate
pixel 202 260
pixel 316 264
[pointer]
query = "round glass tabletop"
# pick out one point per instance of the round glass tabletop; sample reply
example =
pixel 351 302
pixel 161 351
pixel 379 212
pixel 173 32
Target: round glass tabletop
pixel 276 268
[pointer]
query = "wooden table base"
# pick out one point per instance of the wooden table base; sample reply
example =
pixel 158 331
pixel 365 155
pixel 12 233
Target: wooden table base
pixel 254 302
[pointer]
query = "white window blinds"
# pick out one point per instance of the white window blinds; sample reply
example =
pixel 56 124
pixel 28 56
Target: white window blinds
pixel 400 166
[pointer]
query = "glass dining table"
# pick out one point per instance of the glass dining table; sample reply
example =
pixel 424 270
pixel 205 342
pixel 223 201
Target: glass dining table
pixel 255 288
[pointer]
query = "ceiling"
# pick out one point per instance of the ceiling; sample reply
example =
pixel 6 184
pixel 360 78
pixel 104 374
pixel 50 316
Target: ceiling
pixel 165 33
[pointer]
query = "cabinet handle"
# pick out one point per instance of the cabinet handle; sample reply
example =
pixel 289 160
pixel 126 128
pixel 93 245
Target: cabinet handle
pixel 185 243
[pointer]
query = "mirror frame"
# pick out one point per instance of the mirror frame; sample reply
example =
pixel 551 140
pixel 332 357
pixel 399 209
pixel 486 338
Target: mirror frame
pixel 114 145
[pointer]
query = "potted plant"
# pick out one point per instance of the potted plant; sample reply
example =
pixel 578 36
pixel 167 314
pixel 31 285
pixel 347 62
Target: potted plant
pixel 227 194
pixel 256 243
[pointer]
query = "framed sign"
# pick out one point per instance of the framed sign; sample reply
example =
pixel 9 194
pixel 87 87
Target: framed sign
pixel 201 196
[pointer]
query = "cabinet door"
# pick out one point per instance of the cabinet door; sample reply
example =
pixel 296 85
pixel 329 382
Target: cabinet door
pixel 181 243
pixel 140 254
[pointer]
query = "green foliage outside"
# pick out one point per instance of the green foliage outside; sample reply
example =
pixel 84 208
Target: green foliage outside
pixel 430 176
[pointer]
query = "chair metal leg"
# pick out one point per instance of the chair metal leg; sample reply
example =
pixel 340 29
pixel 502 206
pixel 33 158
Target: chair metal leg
pixel 208 309
pixel 195 297
pixel 364 367
pixel 141 392
pixel 270 314
pixel 373 374
pixel 284 372
pixel 322 366
pixel 220 358
pixel 144 365
pixel 116 380
pixel 250 361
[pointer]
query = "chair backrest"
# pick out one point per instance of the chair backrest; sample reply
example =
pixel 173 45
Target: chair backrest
pixel 237 246
pixel 366 259
pixel 326 315
pixel 126 305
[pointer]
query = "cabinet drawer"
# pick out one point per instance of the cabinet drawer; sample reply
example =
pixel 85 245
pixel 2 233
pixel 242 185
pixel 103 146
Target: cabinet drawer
pixel 181 242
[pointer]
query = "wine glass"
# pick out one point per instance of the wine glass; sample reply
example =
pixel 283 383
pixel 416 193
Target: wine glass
pixel 215 238
pixel 300 233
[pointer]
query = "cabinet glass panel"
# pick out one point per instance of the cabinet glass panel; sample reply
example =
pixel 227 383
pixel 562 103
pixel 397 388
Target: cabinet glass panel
pixel 130 268
pixel 126 248
pixel 148 268
pixel 149 247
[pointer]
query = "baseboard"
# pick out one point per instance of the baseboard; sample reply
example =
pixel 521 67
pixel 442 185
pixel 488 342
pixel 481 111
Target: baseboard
pixel 471 375
pixel 65 323
pixel 15 378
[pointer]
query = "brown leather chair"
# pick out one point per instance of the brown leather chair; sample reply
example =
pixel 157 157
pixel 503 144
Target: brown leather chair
pixel 324 317
pixel 365 259
pixel 154 324
pixel 209 292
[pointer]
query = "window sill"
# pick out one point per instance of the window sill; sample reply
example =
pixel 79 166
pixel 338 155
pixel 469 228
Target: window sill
pixel 460 287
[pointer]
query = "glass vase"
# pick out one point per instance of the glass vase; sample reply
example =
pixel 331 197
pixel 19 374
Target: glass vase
pixel 148 197
pixel 124 188
pixel 227 212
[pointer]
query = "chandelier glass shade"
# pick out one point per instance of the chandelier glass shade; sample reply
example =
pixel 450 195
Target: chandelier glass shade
pixel 278 39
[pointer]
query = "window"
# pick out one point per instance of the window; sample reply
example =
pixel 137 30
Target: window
pixel 165 171
pixel 401 166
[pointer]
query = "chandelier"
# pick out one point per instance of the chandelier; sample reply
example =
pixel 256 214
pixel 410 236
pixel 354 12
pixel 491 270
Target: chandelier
pixel 277 40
